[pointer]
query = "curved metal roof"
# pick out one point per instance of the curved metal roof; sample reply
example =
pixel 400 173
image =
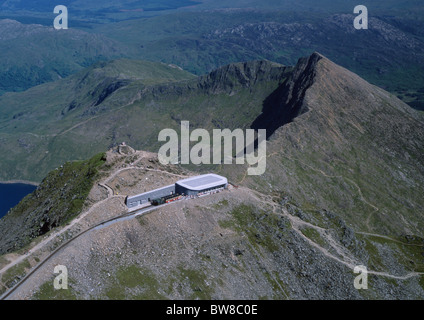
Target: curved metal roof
pixel 202 182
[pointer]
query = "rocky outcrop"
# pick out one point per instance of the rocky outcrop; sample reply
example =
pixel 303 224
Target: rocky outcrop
pixel 225 80
pixel 286 102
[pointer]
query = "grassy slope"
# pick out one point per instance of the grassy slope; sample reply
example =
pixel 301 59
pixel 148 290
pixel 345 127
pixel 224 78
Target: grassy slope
pixel 135 113
pixel 56 201
pixel 53 101
pixel 32 123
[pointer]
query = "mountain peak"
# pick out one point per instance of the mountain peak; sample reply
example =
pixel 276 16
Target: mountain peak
pixel 320 84
pixel 317 54
pixel 337 126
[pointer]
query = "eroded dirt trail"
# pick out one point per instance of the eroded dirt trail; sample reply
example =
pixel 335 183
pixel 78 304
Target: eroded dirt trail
pixel 345 257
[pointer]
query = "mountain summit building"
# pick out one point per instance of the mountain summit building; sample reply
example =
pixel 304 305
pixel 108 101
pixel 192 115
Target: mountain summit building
pixel 204 183
pixel 192 186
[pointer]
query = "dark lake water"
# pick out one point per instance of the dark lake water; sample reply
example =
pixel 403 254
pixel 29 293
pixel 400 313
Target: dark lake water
pixel 11 194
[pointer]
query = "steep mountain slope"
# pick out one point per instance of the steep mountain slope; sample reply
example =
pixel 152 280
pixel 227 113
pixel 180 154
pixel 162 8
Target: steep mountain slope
pixel 346 146
pixel 58 199
pixel 124 101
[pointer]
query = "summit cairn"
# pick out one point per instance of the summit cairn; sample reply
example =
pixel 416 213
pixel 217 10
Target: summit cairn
pixel 125 150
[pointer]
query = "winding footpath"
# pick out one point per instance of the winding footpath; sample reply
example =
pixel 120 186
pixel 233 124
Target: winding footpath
pixel 345 259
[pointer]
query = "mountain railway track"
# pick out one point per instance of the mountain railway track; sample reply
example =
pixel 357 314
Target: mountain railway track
pixel 124 216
